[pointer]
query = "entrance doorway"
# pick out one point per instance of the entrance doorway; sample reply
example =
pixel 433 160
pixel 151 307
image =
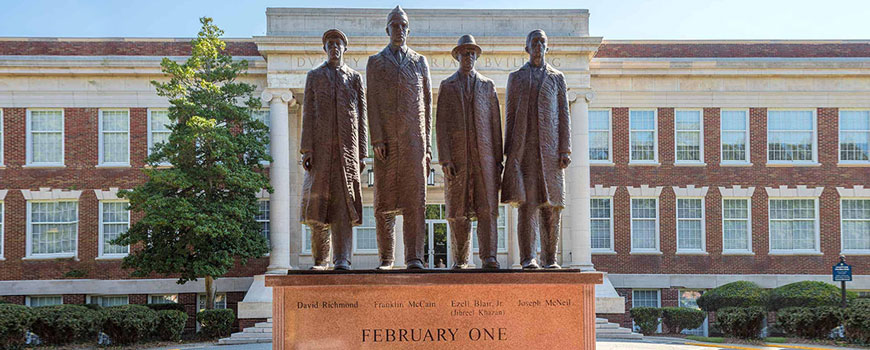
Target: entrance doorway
pixel 437 240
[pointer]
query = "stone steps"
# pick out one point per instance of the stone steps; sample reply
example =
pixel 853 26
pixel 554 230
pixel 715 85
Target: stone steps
pixel 608 330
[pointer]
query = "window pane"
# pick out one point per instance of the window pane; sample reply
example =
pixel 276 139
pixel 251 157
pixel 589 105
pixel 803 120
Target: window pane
pixel 645 298
pixel 855 120
pixel 599 145
pixel 642 145
pixel 790 120
pixel 115 222
pixel 643 208
pixel 366 238
pixel 45 301
pixel 263 218
pixel 688 120
pixel 263 116
pixel 643 234
pixel 600 223
pixel 790 135
pixel 47 147
pixel 688 146
pixel 163 299
pixel 854 145
pixel 159 120
pixel 115 121
pixel 856 224
pixel 53 227
pixel 734 120
pixel 689 208
pixel 115 148
pixel 642 120
pixel 792 224
pixel 46 121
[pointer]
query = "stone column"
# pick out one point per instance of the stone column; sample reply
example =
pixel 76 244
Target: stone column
pixel 513 244
pixel 279 171
pixel 399 250
pixel 578 183
pixel 297 176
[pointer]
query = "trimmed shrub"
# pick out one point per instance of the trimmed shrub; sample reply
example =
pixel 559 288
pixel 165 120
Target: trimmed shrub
pixel 809 322
pixel 807 294
pixel 15 320
pixel 676 319
pixel 857 322
pixel 167 306
pixel 741 322
pixel 215 323
pixel 128 324
pixel 95 307
pixel 734 294
pixel 170 324
pixel 646 318
pixel 63 324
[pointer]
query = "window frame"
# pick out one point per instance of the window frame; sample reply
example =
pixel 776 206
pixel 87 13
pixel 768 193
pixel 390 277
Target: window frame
pixel 655 160
pixel 658 305
pixel 2 230
pixel 815 251
pixel 840 159
pixel 200 304
pixel 356 249
pixel 148 301
pixel 29 139
pixel 28 302
pixel 2 148
pixel 815 138
pixel 612 249
pixel 609 159
pixel 843 250
pixel 746 138
pixel 268 123
pixel 260 221
pixel 703 221
pixel 749 250
pixel 658 248
pixel 102 237
pixel 29 240
pixel 150 133
pixel 101 138
pixel 700 132
pixel 90 298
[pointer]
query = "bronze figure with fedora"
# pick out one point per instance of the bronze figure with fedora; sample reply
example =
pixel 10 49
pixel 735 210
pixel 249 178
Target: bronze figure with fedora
pixel 333 152
pixel 468 129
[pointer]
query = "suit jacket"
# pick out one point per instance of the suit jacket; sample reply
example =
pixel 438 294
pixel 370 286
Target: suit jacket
pixel 554 133
pixel 333 130
pixel 454 140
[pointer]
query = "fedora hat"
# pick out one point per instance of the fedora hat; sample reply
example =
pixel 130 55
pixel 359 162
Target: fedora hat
pixel 334 33
pixel 465 41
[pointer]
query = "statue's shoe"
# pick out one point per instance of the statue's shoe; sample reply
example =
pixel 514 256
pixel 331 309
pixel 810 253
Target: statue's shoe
pixel 322 267
pixel 342 265
pixel 531 265
pixel 554 266
pixel 385 265
pixel 491 263
pixel 462 266
pixel 415 265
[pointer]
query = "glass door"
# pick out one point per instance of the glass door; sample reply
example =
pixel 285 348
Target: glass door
pixel 437 245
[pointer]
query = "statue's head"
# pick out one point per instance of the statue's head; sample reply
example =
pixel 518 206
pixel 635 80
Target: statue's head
pixel 466 52
pixel 334 44
pixel 536 46
pixel 398 26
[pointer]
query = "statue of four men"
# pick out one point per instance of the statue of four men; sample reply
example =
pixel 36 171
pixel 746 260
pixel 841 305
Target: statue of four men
pixel 396 104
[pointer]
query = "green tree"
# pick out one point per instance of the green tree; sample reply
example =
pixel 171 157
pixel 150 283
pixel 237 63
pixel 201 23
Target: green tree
pixel 199 213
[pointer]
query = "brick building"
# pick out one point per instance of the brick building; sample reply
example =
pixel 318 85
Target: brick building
pixel 711 161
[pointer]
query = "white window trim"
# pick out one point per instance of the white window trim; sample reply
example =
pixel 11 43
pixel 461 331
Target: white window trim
pixel 268 145
pixel 263 196
pixel 101 148
pixel 840 160
pixel 816 251
pixel 658 248
pixel 357 249
pixel 29 248
pixel 700 161
pixel 102 241
pixel 150 133
pixel 655 160
pixel 201 306
pixel 612 249
pixel 29 143
pixel 89 300
pixel 148 301
pixel 2 228
pixel 703 250
pixel 746 139
pixel 815 160
pixel 658 294
pixel 843 250
pixel 609 159
pixel 306 248
pixel 748 228
pixel 27 298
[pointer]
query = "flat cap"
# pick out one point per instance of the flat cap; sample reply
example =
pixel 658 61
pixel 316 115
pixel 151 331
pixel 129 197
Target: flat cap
pixel 334 33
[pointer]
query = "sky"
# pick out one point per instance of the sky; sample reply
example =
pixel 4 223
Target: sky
pixel 613 19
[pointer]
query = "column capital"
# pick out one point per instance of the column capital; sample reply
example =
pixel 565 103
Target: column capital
pixel 574 95
pixel 285 95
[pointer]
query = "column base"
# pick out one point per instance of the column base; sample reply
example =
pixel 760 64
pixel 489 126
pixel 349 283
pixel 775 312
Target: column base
pixel 258 300
pixel 583 267
pixel 277 270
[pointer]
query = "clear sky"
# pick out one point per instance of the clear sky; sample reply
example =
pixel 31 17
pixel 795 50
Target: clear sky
pixel 613 19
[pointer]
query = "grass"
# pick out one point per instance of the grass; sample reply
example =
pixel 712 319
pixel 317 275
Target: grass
pixel 777 340
pixel 706 339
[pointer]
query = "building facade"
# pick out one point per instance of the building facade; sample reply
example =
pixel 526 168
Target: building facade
pixel 708 161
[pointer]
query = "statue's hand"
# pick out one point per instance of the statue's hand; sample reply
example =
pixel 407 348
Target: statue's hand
pixel 564 160
pixel 306 161
pixel 449 170
pixel 381 151
pixel 362 165
pixel 428 163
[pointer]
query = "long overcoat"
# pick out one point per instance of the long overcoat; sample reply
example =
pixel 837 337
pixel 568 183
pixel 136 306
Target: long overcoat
pixel 400 116
pixel 554 133
pixel 333 113
pixel 451 118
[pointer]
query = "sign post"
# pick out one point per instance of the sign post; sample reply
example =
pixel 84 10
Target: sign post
pixel 842 273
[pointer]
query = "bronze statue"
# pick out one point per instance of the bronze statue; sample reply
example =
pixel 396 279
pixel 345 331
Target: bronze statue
pixel 400 105
pixel 468 125
pixel 333 152
pixel 538 148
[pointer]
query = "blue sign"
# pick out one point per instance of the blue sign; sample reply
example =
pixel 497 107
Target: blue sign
pixel 842 272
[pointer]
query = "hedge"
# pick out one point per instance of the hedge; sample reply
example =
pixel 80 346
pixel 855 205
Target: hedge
pixel 15 320
pixel 63 324
pixel 170 324
pixel 857 322
pixel 809 322
pixel 215 323
pixel 646 318
pixel 128 324
pixel 676 319
pixel 167 306
pixel 741 322
pixel 807 294
pixel 734 294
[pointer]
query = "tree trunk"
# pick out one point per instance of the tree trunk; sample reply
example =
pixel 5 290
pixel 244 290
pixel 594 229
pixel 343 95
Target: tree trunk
pixel 209 293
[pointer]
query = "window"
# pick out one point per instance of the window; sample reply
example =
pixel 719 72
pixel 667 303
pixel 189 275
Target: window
pixel 108 300
pixel 1 136
pixel 736 226
pixel 163 299
pixel 501 223
pixel 44 300
pixel 689 136
pixel 114 137
pixel 263 116
pixel 158 130
pixel 791 136
pixel 644 225
pixel 220 301
pixel 855 225
pixel 689 299
pixel 2 208
pixel 365 238
pixel 645 298
pixel 114 220
pixel 263 218
pixel 793 225
pixel 643 135
pixel 45 137
pixel 306 239
pixel 52 229
pixel 602 224
pixel 854 136
pixel 599 136
pixel 690 225
pixel 735 136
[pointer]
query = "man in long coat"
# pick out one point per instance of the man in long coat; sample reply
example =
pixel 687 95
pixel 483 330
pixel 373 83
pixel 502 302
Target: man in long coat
pixel 538 148
pixel 400 110
pixel 468 126
pixel 333 150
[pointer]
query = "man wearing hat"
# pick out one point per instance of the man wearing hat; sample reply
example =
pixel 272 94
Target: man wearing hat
pixel 400 111
pixel 537 150
pixel 468 126
pixel 333 150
